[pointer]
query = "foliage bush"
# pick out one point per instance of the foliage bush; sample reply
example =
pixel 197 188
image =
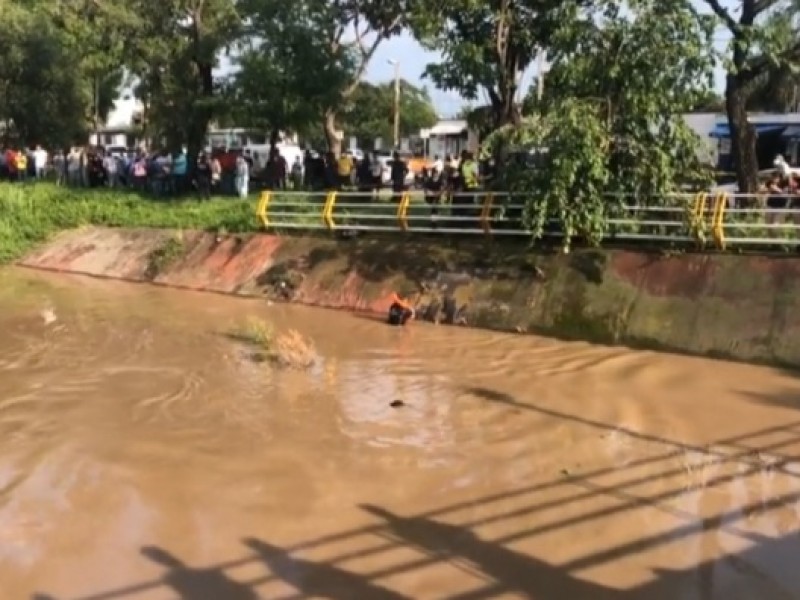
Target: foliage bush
pixel 609 125
pixel 254 331
pixel 293 350
pixel 289 349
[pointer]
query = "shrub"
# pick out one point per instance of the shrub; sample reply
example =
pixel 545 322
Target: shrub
pixel 254 331
pixel 293 350
pixel 289 349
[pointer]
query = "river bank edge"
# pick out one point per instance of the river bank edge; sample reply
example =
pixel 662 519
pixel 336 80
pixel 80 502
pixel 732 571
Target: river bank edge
pixel 725 306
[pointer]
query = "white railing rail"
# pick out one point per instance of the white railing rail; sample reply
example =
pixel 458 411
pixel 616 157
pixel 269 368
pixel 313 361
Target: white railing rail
pixel 705 218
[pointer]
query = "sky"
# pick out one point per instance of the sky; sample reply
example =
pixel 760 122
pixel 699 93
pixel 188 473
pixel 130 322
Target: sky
pixel 413 59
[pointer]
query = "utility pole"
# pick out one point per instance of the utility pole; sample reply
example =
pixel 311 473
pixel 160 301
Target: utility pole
pixel 396 64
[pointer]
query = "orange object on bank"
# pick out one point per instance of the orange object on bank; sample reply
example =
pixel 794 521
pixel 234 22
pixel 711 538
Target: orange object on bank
pixel 402 303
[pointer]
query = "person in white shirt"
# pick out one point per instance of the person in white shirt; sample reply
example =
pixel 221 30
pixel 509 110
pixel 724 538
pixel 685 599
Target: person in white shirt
pixel 74 167
pixel 438 166
pixel 242 176
pixel 40 162
pixel 110 164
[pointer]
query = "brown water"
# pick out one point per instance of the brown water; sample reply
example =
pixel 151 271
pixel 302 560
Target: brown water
pixel 144 455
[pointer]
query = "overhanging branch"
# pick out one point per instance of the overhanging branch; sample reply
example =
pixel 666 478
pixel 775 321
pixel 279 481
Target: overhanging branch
pixel 724 15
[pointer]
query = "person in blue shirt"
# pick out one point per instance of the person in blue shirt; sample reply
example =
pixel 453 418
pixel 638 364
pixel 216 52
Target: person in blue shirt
pixel 179 168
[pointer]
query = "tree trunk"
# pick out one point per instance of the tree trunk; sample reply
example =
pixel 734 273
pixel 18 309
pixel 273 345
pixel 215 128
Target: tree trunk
pixel 743 136
pixel 331 135
pixel 201 115
pixel 274 139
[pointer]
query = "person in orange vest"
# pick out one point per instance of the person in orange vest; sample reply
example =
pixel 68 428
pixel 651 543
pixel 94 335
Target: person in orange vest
pixel 401 311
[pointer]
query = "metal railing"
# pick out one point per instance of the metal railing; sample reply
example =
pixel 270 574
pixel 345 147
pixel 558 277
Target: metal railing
pixel 704 219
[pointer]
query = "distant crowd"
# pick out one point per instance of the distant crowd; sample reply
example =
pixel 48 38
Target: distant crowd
pixel 235 173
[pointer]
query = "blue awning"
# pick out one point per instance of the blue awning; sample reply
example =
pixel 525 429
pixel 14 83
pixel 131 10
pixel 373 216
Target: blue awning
pixel 723 130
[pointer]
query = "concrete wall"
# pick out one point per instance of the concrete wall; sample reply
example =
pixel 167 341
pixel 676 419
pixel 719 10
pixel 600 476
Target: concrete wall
pixel 731 306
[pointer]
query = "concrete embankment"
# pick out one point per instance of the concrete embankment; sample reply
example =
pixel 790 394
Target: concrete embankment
pixel 742 307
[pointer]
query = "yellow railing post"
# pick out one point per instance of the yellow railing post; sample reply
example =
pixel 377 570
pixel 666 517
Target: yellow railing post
pixel 698 217
pixel 327 210
pixel 486 212
pixel 718 222
pixel 402 211
pixel 261 210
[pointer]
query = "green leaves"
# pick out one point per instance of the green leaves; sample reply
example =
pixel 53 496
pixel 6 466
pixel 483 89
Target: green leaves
pixel 370 110
pixel 486 44
pixel 611 117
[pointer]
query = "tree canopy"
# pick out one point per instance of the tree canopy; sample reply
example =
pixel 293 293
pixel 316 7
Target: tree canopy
pixel 764 48
pixel 610 125
pixel 630 68
pixel 369 114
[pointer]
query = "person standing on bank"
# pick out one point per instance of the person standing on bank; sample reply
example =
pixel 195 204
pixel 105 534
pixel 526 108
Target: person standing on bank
pixel 399 171
pixel 203 176
pixel 465 199
pixel 242 176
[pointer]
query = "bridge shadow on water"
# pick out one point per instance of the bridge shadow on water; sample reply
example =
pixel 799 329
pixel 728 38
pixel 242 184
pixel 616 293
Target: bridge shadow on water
pixel 433 538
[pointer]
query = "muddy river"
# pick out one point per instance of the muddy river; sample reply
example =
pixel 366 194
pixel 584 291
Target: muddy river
pixel 145 455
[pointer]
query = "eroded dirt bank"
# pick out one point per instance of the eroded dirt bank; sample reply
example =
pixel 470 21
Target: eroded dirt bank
pixel 740 307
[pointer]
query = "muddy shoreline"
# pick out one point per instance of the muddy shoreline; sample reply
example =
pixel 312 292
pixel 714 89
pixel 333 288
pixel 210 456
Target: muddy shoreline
pixel 739 307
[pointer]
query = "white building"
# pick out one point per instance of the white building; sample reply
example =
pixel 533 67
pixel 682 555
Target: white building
pixel 123 119
pixel 703 124
pixel 449 136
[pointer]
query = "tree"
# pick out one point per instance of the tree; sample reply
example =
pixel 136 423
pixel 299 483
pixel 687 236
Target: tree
pixel 176 49
pixel 610 124
pixel 486 46
pixel 96 36
pixel 709 102
pixel 289 75
pixel 342 36
pixel 43 94
pixel 758 48
pixel 369 114
pixel 778 88
pixel 643 65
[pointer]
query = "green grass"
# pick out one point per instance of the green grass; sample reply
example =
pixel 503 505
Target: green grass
pixel 31 213
pixel 256 332
pixel 289 349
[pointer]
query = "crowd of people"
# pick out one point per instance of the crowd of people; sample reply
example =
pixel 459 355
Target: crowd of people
pixel 159 173
pixel 230 172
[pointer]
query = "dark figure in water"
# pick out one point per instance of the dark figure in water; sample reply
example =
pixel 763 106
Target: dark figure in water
pixel 400 312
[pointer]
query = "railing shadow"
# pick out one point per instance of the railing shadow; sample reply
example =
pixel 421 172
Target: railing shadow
pixel 499 568
pixel 317 579
pixel 507 571
pixel 197 584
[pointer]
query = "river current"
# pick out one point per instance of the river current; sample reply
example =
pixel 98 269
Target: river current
pixel 144 454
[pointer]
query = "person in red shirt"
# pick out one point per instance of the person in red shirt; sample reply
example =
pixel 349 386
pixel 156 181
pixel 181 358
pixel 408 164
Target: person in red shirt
pixel 11 164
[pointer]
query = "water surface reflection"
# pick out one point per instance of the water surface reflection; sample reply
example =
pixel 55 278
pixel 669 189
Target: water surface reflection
pixel 144 455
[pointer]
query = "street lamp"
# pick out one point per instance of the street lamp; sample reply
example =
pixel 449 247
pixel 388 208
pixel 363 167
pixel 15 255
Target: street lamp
pixel 396 64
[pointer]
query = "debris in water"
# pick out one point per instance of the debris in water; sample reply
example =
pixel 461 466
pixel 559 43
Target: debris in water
pixel 49 316
pixel 397 403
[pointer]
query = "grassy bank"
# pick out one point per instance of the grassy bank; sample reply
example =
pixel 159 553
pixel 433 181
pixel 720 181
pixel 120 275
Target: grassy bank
pixel 31 213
